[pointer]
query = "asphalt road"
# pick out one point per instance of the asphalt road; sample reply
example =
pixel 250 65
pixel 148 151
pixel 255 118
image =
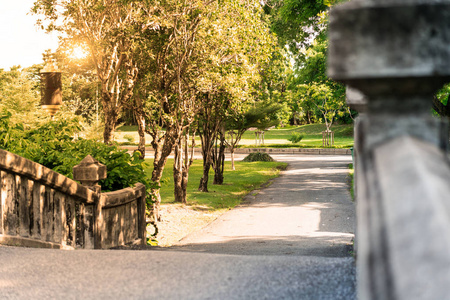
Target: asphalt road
pixel 288 241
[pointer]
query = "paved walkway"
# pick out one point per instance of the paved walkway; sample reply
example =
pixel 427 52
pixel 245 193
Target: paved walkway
pixel 290 241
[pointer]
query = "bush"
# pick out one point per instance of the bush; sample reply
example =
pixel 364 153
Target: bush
pixel 53 145
pixel 257 156
pixel 129 139
pixel 296 137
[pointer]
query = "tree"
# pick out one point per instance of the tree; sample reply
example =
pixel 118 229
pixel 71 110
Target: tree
pixel 262 116
pixel 108 29
pixel 237 42
pixel 273 86
pixel 307 49
pixel 319 97
pixel 166 93
pixel 322 97
pixel 20 94
pixel 183 159
pixel 211 130
pixel 296 22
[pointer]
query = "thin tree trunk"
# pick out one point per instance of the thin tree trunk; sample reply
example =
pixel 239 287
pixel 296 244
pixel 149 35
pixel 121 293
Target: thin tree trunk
pixel 178 173
pixel 162 147
pixel 111 115
pixel 203 187
pixel 219 159
pixel 183 160
pixel 184 182
pixel 232 158
pixel 140 119
pixel 207 138
pixel 155 192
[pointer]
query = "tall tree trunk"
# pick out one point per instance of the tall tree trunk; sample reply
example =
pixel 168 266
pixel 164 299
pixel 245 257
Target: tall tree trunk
pixel 158 168
pixel 207 137
pixel 203 187
pixel 111 116
pixel 140 119
pixel 184 182
pixel 156 177
pixel 219 158
pixel 177 172
pixel 184 158
pixel 141 132
pixel 155 216
pixel 163 148
pixel 232 158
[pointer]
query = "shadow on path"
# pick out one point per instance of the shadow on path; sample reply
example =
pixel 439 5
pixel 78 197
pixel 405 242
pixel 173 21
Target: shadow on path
pixel 307 211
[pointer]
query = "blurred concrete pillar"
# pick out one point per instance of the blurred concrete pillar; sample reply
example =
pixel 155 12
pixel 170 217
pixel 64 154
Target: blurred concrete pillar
pixel 396 52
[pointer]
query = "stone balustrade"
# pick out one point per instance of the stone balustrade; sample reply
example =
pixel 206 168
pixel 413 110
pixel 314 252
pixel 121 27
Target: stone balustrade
pixel 396 52
pixel 41 208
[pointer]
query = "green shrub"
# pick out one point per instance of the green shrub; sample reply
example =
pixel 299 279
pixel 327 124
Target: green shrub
pixel 296 137
pixel 53 145
pixel 129 138
pixel 257 156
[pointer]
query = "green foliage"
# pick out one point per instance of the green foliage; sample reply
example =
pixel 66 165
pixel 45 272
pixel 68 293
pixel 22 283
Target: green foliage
pixel 52 144
pixel 317 97
pixel 441 103
pixel 309 96
pixel 290 18
pixel 258 156
pixel 443 94
pixel 129 138
pixel 19 94
pixel 296 137
pixel 80 95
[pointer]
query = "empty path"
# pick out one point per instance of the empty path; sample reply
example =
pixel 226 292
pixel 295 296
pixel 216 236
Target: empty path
pixel 288 241
pixel 306 211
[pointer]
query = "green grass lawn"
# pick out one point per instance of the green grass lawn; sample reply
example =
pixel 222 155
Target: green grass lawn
pixel 312 136
pixel 343 136
pixel 127 128
pixel 247 177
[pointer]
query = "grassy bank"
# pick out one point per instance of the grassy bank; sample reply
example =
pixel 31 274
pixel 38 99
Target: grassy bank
pixel 312 136
pixel 247 177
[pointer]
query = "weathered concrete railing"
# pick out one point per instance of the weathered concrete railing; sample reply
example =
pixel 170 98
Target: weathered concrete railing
pixel 41 208
pixel 397 53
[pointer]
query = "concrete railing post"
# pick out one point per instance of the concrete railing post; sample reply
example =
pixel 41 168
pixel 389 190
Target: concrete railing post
pixel 396 52
pixel 89 172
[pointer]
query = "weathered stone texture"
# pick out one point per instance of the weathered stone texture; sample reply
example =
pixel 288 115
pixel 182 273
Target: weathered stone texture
pixel 396 53
pixel 390 39
pixel 41 208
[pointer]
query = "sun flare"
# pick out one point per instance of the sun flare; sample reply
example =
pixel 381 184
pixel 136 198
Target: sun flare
pixel 78 53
